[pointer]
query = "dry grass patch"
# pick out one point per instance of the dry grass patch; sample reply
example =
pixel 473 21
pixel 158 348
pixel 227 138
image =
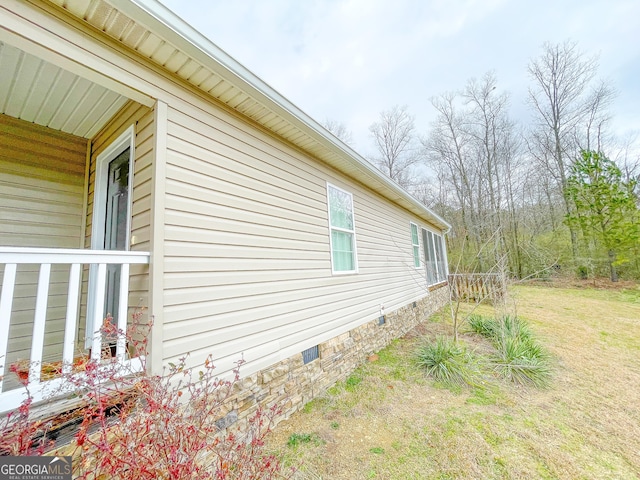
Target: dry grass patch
pixel 391 422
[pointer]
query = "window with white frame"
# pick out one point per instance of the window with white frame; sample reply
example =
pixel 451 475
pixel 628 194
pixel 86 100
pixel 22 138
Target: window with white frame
pixel 342 230
pixel 415 243
pixel 434 257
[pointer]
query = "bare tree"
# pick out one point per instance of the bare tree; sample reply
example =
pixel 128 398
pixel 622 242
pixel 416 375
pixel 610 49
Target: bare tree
pixel 339 129
pixel 393 135
pixel 594 135
pixel 473 148
pixel 487 123
pixel 569 113
pixel 448 151
pixel 628 157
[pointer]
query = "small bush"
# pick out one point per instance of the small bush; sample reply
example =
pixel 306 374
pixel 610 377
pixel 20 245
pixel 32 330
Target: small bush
pixel 146 427
pixel 22 435
pixel 582 272
pixel 447 362
pixel 482 325
pixel 514 347
pixel 520 357
pixel 514 327
pixel 525 371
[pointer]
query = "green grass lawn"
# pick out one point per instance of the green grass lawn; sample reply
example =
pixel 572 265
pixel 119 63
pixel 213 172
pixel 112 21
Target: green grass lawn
pixel 389 421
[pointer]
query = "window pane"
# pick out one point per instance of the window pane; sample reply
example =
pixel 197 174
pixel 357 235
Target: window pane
pixel 340 209
pixel 416 256
pixel 343 254
pixel 431 273
pixel 432 256
pixel 438 241
pixel 442 269
pixel 414 234
pixel 416 245
pixel 429 256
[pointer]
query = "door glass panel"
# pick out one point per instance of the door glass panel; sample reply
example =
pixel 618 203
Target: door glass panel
pixel 115 231
pixel 117 202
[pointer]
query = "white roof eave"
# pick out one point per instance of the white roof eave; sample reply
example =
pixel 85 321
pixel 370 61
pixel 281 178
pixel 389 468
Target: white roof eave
pixel 192 43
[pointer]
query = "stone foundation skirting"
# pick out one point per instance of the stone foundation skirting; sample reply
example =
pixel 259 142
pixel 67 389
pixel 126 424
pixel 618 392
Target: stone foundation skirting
pixel 291 383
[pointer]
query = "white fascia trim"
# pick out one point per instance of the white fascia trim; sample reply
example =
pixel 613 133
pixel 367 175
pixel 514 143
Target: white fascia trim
pixel 160 19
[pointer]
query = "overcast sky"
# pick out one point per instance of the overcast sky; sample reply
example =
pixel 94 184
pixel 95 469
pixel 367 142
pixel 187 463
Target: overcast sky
pixel 347 60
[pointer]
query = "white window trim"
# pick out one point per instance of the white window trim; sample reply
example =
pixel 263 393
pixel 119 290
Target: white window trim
pixel 126 139
pixel 353 232
pixel 435 255
pixel 413 224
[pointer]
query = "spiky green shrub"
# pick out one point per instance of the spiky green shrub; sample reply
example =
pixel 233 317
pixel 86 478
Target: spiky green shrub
pixel 519 356
pixel 484 326
pixel 525 371
pixel 447 362
pixel 514 327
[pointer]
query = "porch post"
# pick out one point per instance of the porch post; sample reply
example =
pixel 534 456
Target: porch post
pixel 156 265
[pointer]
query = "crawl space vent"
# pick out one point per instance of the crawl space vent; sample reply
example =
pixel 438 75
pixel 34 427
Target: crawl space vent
pixel 310 354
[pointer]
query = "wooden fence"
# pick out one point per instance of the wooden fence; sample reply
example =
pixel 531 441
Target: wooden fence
pixel 477 287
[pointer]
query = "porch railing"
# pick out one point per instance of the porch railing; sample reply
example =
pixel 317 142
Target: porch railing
pixel 11 258
pixel 477 287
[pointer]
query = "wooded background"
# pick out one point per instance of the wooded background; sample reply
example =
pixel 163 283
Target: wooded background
pixel 557 195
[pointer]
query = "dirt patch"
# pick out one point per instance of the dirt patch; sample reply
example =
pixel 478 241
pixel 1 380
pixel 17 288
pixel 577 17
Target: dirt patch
pixel 393 423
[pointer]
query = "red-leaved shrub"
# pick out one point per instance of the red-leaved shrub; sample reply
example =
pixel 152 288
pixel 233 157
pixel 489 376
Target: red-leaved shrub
pixel 180 425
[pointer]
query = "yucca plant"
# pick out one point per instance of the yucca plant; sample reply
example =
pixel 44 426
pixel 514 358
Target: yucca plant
pixel 484 326
pixel 515 327
pixel 447 362
pixel 525 371
pixel 519 356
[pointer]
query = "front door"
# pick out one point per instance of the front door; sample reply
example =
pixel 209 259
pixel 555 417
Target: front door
pixel 110 225
pixel 115 225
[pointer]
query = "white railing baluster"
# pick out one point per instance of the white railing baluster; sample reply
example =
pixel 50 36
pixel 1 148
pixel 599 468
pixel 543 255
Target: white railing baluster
pixel 39 320
pixel 11 258
pixel 6 302
pixel 98 312
pixel 123 302
pixel 71 320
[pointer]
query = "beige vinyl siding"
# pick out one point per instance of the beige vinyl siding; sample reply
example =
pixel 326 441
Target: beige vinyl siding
pixel 41 185
pixel 41 205
pixel 247 267
pixel 142 118
pixel 247 260
pixel 141 209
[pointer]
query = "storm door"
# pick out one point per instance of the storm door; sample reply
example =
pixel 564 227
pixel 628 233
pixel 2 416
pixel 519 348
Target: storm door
pixel 116 224
pixel 111 223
